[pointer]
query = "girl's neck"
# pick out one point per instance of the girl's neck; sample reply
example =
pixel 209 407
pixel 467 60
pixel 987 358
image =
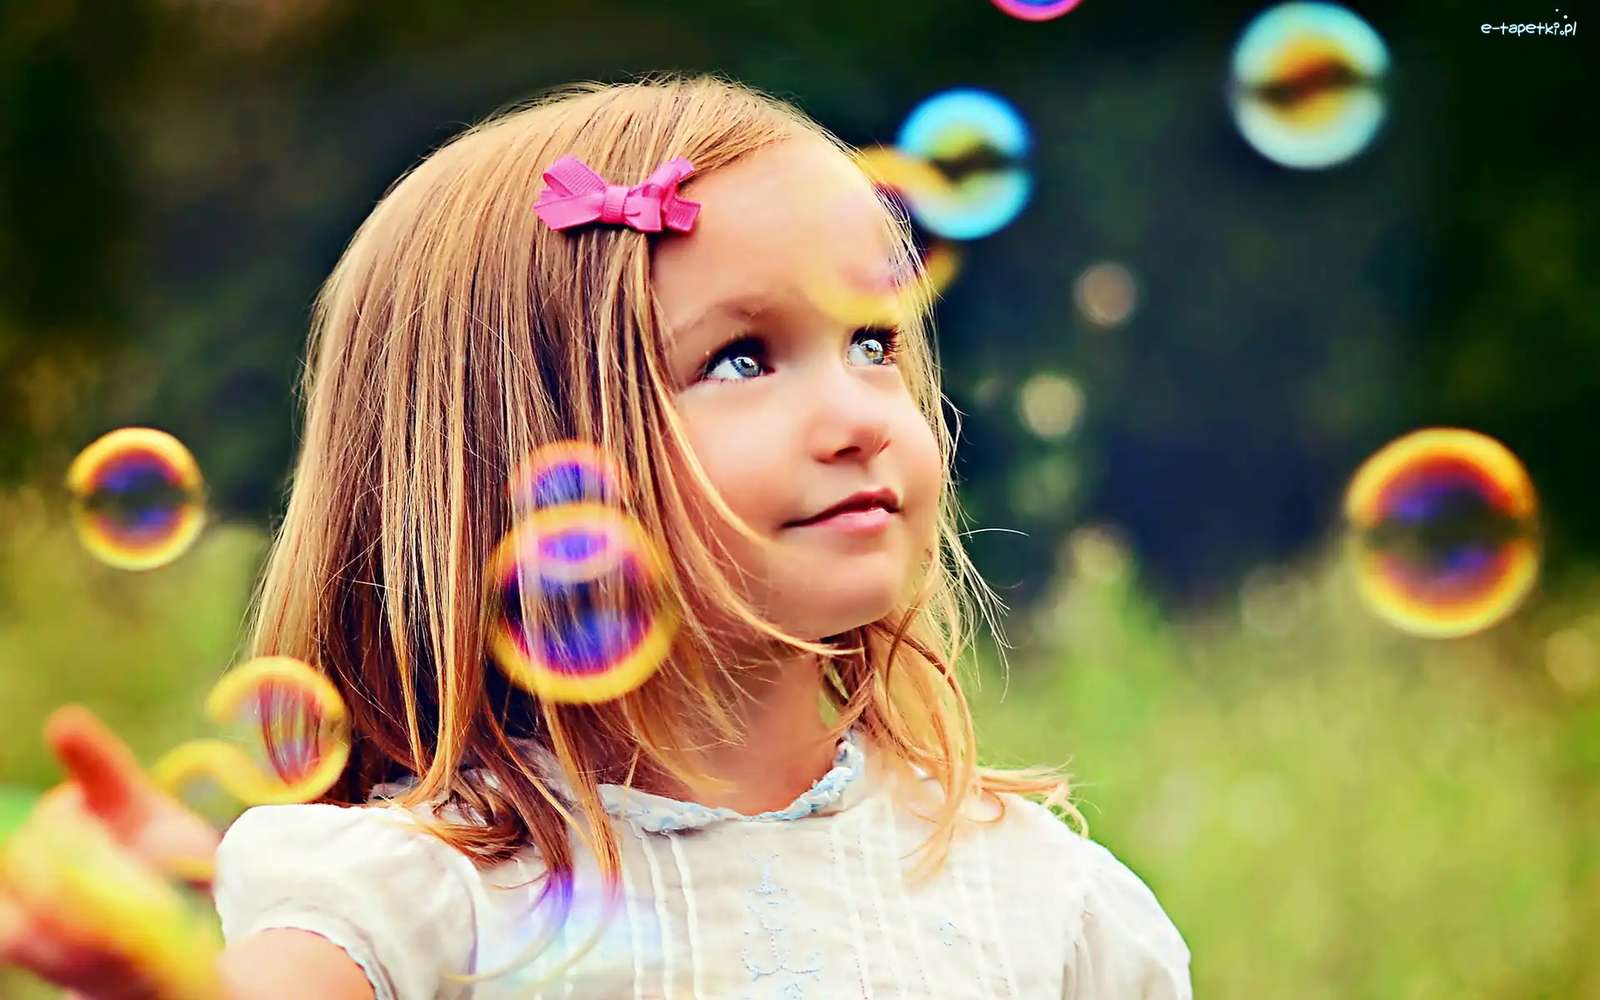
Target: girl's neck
pixel 787 747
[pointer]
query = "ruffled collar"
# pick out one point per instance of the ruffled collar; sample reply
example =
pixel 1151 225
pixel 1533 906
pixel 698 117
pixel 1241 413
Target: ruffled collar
pixel 842 787
pixel 847 783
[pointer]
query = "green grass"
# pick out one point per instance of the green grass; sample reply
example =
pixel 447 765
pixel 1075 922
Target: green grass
pixel 1325 807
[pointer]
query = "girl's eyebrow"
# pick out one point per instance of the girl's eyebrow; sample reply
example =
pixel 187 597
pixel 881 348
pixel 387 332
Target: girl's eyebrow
pixel 747 306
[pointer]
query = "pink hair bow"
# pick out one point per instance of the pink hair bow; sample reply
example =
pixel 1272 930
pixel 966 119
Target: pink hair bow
pixel 576 195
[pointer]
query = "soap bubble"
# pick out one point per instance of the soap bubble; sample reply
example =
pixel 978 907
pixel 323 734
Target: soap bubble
pixel 564 472
pixel 581 616
pixel 891 289
pixel 979 142
pixel 1306 85
pixel 1444 536
pixel 1036 10
pixel 137 498
pixel 291 737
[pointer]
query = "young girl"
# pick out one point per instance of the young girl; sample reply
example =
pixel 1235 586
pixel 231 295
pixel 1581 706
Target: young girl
pixel 737 825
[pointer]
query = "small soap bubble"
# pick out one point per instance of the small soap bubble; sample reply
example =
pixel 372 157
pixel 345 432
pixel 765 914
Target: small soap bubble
pixel 887 287
pixel 581 614
pixel 1444 534
pixel 564 472
pixel 1306 87
pixel 1036 10
pixel 289 737
pixel 979 142
pixel 138 498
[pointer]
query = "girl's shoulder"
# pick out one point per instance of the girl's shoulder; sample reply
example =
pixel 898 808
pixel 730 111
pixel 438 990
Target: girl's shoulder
pixel 396 898
pixel 1119 932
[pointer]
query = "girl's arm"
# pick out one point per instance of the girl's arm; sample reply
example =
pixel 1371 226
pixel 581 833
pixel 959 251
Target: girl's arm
pixel 284 962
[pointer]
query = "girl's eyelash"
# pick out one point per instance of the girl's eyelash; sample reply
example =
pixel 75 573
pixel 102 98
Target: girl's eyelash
pixel 889 335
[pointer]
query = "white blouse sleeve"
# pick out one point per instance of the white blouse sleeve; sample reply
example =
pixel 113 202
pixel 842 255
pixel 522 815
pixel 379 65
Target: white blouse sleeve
pixel 1127 947
pixel 370 880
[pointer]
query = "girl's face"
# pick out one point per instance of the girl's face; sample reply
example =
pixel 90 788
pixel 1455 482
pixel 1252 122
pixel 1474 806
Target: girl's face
pixel 790 404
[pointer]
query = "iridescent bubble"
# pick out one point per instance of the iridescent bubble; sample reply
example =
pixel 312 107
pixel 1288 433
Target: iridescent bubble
pixel 295 742
pixel 892 289
pixel 1306 89
pixel 1444 534
pixel 563 472
pixel 137 498
pixel 1036 10
pixel 909 176
pixel 979 142
pixel 581 614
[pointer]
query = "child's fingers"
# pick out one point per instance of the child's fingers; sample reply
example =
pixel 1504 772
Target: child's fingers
pixel 22 944
pixel 61 955
pixel 105 769
pixel 12 923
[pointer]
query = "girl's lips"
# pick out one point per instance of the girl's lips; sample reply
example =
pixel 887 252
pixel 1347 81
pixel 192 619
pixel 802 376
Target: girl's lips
pixel 854 522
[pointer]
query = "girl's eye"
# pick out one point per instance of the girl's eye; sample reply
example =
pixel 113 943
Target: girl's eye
pixel 882 344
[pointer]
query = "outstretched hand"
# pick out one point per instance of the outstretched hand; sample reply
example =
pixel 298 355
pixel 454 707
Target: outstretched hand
pixel 105 787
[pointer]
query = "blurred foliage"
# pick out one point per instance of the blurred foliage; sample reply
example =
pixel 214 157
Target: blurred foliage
pixel 181 175
pixel 1325 807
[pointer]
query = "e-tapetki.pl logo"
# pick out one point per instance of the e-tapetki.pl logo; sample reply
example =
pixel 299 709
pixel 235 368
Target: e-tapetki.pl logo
pixel 1562 27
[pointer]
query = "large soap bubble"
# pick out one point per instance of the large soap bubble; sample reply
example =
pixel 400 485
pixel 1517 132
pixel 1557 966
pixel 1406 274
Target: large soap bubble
pixel 1444 536
pixel 979 142
pixel 138 498
pixel 1306 87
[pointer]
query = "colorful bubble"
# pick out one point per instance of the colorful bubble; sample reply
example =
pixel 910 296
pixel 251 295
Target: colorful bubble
pixel 1036 10
pixel 297 742
pixel 581 617
pixel 564 472
pixel 1306 89
pixel 889 296
pixel 137 498
pixel 1444 535
pixel 893 289
pixel 979 142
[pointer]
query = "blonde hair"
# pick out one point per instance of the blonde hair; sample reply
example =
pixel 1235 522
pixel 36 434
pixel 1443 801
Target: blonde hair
pixel 457 334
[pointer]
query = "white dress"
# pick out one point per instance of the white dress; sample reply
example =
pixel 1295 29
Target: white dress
pixel 804 902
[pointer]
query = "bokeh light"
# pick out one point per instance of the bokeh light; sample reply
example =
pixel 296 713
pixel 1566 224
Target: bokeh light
pixel 1444 532
pixel 1306 89
pixel 1050 404
pixel 1105 294
pixel 979 142
pixel 1036 10
pixel 138 498
pixel 581 613
pixel 1572 658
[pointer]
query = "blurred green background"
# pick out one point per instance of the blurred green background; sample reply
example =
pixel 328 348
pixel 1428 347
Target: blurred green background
pixel 1325 806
